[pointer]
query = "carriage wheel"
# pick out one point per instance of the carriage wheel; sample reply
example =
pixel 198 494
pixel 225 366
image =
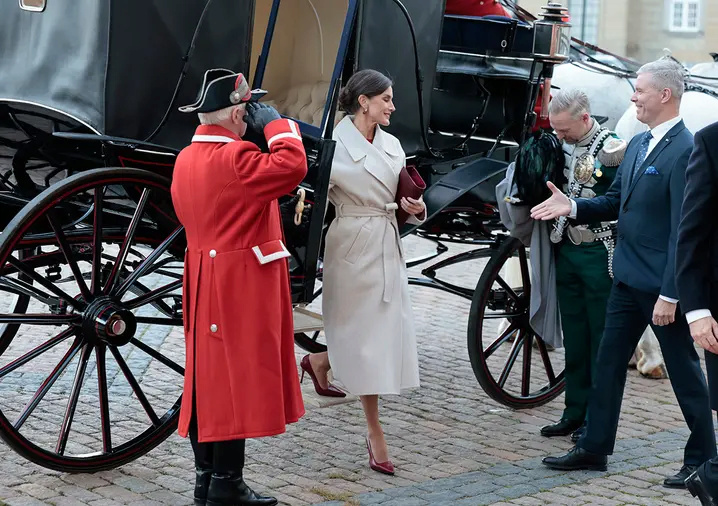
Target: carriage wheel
pixel 312 342
pixel 12 302
pixel 93 377
pixel 511 363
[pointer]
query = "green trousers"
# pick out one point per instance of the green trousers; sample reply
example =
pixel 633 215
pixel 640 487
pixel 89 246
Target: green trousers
pixel 583 285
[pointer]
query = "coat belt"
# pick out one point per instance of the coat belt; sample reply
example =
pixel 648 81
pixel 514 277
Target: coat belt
pixel 390 236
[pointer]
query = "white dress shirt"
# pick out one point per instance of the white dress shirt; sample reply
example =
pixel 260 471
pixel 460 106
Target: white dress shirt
pixel 658 133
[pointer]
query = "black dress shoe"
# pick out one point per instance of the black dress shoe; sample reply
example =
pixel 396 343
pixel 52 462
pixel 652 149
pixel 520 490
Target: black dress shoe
pixel 697 488
pixel 679 480
pixel 201 484
pixel 575 435
pixel 231 490
pixel 564 427
pixel 576 459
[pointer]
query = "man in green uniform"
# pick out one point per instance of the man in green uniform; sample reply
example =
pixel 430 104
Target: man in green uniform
pixel 583 252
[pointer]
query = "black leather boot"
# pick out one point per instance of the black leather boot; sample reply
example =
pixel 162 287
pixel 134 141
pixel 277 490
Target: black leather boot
pixel 201 485
pixel 231 490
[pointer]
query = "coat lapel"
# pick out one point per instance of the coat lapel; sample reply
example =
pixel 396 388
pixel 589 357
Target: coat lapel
pixel 381 159
pixel 653 155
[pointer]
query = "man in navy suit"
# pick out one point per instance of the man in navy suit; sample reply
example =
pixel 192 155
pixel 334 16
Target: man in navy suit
pixel 697 278
pixel 646 198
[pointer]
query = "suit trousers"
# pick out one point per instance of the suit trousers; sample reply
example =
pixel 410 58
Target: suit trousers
pixel 628 313
pixel 583 285
pixel 709 470
pixel 222 457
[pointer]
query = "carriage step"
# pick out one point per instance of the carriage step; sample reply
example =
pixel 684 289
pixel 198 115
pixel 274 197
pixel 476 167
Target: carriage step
pixel 306 320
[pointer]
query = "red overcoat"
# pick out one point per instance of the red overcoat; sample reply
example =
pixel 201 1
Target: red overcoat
pixel 237 305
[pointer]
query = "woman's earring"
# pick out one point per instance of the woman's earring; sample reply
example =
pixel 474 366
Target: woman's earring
pixel 366 110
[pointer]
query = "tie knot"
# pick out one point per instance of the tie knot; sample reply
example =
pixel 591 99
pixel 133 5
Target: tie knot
pixel 648 136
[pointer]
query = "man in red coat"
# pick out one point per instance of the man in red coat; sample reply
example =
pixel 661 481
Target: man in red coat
pixel 476 8
pixel 240 375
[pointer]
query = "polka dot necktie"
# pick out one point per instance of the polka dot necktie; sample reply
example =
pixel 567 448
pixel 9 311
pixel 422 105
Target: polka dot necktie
pixel 642 153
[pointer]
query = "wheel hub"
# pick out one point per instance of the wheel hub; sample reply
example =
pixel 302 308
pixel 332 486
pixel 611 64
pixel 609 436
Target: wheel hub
pixel 108 321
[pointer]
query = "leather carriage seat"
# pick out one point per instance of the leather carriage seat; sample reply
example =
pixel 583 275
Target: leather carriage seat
pixel 304 102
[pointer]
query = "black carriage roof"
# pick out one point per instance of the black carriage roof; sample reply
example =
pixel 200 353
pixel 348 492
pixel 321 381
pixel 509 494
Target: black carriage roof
pixel 113 65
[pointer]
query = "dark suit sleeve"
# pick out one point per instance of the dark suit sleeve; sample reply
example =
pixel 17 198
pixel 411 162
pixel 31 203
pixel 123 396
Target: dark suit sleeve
pixel 605 207
pixel 677 186
pixel 693 262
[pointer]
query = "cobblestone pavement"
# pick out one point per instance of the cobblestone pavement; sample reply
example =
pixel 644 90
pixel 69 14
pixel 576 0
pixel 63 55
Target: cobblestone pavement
pixel 450 442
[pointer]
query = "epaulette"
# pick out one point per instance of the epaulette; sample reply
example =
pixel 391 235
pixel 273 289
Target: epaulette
pixel 612 152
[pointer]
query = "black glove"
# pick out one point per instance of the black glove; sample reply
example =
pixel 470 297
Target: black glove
pixel 259 116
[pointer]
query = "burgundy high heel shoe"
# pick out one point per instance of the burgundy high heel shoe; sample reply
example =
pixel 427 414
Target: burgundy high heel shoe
pixel 381 467
pixel 330 391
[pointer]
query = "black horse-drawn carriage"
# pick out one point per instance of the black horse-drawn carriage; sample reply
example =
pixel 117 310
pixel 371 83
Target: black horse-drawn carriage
pixel 91 345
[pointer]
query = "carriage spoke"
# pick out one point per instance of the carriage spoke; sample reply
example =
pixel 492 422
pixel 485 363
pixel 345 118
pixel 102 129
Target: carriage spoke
pixel 135 386
pixel 511 360
pixel 154 320
pixel 523 260
pixel 67 253
pixel 526 373
pixel 72 401
pixel 95 281
pixel 158 356
pixel 100 355
pixel 503 284
pixel 491 349
pixel 44 282
pixel 153 295
pixel 125 248
pixel 20 287
pixel 546 361
pixel 147 263
pixel 39 319
pixel 47 384
pixel 20 361
pixel 490 315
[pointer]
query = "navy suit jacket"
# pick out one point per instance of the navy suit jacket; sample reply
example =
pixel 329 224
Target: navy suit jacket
pixel 697 253
pixel 648 212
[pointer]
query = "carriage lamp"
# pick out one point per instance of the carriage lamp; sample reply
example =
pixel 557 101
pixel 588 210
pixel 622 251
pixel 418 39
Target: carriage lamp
pixel 552 44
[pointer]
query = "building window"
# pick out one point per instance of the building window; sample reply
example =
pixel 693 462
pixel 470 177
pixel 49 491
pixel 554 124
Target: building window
pixel 33 5
pixel 684 15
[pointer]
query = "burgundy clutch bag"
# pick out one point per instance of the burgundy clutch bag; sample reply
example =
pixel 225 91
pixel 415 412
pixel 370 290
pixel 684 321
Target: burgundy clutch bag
pixel 410 185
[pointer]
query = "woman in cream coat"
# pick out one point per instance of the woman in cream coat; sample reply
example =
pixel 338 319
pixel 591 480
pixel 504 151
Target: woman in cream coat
pixel 366 307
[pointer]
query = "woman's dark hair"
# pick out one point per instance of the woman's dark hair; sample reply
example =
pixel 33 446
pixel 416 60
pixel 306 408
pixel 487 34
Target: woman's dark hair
pixel 366 82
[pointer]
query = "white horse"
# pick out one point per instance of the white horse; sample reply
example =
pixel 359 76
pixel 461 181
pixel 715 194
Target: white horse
pixel 698 110
pixel 706 69
pixel 595 80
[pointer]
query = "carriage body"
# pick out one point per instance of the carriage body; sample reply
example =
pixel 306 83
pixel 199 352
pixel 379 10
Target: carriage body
pixel 90 131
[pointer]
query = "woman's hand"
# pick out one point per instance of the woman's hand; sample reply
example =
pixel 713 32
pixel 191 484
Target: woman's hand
pixel 413 206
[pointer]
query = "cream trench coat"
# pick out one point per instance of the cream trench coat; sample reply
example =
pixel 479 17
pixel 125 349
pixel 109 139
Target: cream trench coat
pixel 367 311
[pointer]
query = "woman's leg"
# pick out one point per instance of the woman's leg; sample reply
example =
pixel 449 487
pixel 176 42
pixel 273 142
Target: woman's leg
pixel 320 365
pixel 370 403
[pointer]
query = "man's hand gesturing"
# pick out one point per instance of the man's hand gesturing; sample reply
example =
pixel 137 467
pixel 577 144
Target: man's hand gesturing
pixel 704 331
pixel 556 205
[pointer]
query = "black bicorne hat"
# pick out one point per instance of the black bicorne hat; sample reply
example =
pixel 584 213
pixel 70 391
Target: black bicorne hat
pixel 222 88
